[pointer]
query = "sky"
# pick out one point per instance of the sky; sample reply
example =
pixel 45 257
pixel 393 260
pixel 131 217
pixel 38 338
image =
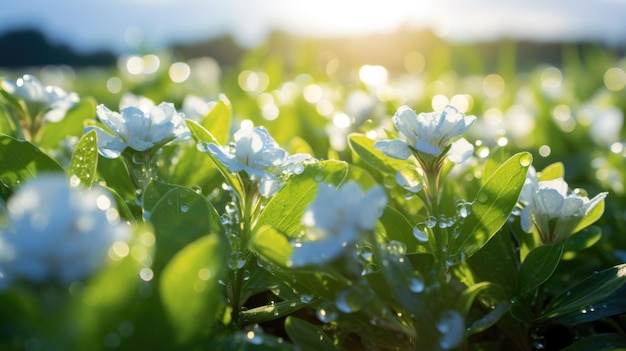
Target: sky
pixel 119 25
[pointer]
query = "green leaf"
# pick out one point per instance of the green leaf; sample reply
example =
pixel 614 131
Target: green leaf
pixel 180 217
pixel 488 320
pixel 397 227
pixel 592 291
pixel 467 298
pixel 364 148
pixel 189 287
pixel 492 207
pixel 539 265
pixel 307 336
pixel 194 168
pixel 582 240
pixel 271 312
pixel 106 297
pixel 591 217
pixel 7 124
pixel 285 209
pixel 271 245
pixel 155 191
pixel 553 171
pixel 497 262
pixel 202 137
pixel 84 163
pixel 71 125
pixel 495 159
pixel 115 174
pixel 218 120
pixel 20 160
pixel 361 176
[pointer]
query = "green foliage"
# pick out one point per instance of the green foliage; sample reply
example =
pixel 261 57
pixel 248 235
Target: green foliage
pixel 209 266
pixel 71 125
pixel 20 160
pixel 493 204
pixel 189 287
pixel 84 163
pixel 179 217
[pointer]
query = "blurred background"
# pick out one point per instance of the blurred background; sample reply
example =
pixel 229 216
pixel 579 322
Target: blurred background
pixel 79 33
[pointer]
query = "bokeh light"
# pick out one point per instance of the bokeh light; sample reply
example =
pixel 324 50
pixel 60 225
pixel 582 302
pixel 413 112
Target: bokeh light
pixel 615 79
pixel 179 72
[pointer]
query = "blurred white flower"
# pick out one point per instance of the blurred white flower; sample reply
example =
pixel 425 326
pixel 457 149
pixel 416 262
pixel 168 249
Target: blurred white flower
pixel 51 101
pixel 257 153
pixel 334 221
pixel 141 102
pixel 56 232
pixel 429 134
pixel 138 129
pixel 196 107
pixel 553 209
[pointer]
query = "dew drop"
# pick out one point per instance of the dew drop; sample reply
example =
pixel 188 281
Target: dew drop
pixel 327 314
pixel 298 169
pixel 419 234
pixel 416 284
pixel 369 269
pixel 202 146
pixel 410 179
pixel 482 197
pixel 350 300
pixel 184 208
pixel 236 260
pixel 525 160
pixel 306 298
pixel 389 182
pixel 463 209
pixel 366 252
pixel 431 222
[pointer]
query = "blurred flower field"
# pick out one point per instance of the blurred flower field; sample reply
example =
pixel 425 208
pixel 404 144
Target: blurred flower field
pixel 302 203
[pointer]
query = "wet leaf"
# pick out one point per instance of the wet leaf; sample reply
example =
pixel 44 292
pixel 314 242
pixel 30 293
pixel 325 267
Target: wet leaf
pixel 84 163
pixel 190 290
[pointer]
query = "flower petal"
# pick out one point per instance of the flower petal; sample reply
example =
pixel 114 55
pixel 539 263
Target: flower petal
pixel 396 148
pixel 108 146
pixel 460 151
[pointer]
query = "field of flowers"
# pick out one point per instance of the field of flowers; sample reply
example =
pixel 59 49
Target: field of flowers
pixel 180 205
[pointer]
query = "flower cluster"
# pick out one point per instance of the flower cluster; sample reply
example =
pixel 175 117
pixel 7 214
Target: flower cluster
pixel 335 220
pixel 57 232
pixel 429 135
pixel 141 128
pixel 50 101
pixel 553 209
pixel 256 153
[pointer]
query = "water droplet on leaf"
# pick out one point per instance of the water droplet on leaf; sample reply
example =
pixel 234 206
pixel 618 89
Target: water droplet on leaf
pixel 525 160
pixel 419 234
pixel 482 197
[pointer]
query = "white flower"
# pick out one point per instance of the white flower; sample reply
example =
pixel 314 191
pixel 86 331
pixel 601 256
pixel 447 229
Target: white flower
pixel 335 219
pixel 429 134
pixel 141 102
pixel 57 232
pixel 196 107
pixel 256 153
pixel 51 101
pixel 139 130
pixel 553 209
